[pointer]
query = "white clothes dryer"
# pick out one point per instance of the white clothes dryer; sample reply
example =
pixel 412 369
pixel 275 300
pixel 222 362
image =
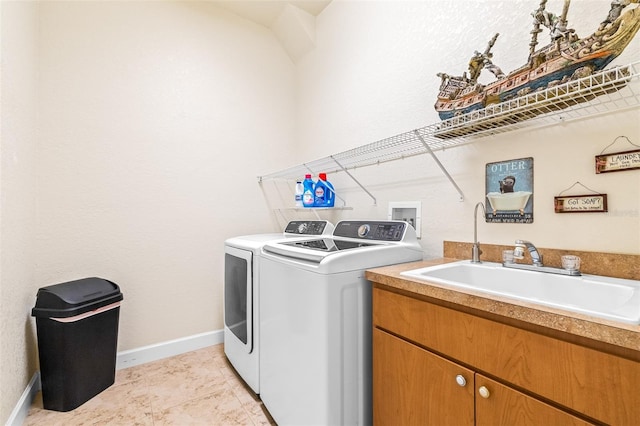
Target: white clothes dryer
pixel 242 294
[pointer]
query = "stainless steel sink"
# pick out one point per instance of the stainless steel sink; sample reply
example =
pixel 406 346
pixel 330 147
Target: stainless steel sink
pixel 605 297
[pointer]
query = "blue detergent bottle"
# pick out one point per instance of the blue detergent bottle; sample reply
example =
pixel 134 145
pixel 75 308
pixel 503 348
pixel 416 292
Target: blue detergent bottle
pixel 324 195
pixel 307 192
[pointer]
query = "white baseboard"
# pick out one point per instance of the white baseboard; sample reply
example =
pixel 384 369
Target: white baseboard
pixel 162 350
pixel 20 411
pixel 124 359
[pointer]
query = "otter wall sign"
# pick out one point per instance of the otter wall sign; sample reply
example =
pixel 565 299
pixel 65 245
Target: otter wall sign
pixel 509 191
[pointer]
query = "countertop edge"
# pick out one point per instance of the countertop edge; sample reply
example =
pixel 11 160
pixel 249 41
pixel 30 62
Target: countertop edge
pixel 623 339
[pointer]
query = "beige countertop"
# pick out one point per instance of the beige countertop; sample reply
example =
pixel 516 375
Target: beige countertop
pixel 616 337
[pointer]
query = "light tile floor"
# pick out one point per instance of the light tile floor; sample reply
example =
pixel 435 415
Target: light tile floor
pixel 195 388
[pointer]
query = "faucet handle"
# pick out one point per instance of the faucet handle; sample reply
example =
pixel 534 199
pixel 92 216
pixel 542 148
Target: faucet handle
pixel 518 251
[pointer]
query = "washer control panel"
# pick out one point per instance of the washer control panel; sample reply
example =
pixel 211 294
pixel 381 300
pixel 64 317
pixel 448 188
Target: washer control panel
pixel 380 231
pixel 308 227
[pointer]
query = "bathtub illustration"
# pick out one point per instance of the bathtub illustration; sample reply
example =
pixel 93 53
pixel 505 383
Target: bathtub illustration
pixel 509 201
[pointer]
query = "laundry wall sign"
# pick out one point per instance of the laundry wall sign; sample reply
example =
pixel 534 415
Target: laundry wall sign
pixel 618 161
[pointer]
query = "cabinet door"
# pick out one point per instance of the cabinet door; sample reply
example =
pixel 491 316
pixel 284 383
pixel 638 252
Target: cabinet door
pixel 497 404
pixel 414 387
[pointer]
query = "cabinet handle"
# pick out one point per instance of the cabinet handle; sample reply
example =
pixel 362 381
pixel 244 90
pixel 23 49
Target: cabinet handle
pixel 484 392
pixel 461 380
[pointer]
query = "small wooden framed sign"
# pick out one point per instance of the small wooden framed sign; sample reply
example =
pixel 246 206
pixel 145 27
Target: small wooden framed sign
pixel 627 160
pixel 592 203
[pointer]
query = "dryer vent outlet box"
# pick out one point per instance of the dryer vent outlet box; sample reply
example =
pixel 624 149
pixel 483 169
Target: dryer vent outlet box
pixel 409 211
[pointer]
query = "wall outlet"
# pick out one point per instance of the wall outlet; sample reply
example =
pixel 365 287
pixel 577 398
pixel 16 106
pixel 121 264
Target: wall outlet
pixel 409 211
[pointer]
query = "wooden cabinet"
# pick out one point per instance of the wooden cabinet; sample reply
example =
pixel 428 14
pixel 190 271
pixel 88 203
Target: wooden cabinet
pixel 415 387
pixel 497 404
pixel 420 349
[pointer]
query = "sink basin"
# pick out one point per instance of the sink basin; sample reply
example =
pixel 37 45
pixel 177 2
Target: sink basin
pixel 610 298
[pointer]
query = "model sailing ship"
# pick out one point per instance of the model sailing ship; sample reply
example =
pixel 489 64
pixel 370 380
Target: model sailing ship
pixel 567 57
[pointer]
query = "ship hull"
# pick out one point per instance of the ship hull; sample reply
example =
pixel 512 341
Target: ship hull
pixel 479 101
pixel 555 65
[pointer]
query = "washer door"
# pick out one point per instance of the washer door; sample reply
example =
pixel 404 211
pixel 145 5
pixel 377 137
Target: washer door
pixel 238 294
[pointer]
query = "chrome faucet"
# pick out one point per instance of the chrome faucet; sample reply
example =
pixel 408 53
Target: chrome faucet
pixel 475 249
pixel 536 261
pixel 518 252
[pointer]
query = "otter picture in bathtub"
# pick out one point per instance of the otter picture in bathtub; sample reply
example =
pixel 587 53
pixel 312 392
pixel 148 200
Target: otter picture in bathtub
pixel 509 191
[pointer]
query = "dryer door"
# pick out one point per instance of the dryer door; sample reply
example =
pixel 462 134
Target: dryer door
pixel 238 294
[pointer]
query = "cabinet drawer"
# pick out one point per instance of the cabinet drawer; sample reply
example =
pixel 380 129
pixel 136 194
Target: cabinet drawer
pixel 599 385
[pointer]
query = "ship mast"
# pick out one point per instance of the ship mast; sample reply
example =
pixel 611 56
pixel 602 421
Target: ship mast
pixel 561 26
pixel 536 28
pixel 565 10
pixel 478 61
pixel 562 22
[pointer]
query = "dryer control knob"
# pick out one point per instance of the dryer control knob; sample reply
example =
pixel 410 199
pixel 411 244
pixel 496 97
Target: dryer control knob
pixel 363 230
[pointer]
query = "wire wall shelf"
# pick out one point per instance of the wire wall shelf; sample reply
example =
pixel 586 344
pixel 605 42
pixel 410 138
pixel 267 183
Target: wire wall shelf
pixel 612 90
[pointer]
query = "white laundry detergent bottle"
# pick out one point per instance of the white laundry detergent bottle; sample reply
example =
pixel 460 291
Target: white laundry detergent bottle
pixel 298 193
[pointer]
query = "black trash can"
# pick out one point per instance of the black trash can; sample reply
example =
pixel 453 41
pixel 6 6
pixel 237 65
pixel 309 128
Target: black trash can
pixel 77 325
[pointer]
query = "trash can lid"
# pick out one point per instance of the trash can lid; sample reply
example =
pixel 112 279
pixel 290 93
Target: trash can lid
pixel 75 297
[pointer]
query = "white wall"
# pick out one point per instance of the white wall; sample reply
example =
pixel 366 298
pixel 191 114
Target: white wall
pixel 18 135
pixel 373 75
pixel 155 118
pixel 133 134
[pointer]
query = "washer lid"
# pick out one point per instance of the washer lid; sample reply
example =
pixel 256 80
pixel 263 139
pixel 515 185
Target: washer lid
pixel 294 229
pixel 326 244
pixel 317 249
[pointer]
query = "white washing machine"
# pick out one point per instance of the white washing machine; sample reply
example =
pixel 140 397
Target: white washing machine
pixel 242 294
pixel 315 321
